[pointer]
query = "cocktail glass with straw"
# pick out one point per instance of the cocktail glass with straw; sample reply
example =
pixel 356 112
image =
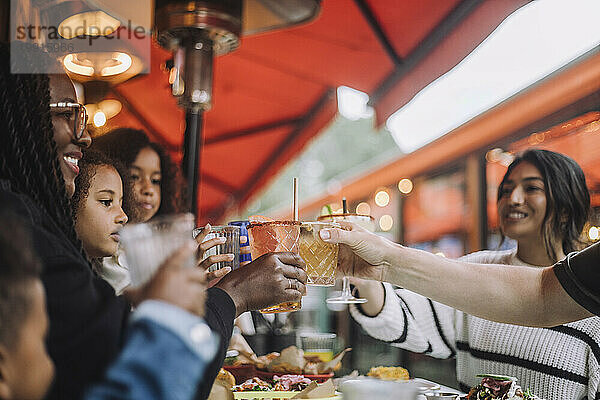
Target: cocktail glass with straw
pixel 269 236
pixel 368 223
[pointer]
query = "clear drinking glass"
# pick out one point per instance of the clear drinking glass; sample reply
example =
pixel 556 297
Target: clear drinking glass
pixel 231 245
pixel 320 257
pixel 148 245
pixel 275 236
pixel 368 223
pixel 318 344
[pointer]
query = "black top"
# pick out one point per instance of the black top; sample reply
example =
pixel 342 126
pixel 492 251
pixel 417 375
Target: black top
pixel 87 320
pixel 220 312
pixel 579 275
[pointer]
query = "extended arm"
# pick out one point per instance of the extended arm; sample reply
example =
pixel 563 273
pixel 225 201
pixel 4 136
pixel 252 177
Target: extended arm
pixel 510 294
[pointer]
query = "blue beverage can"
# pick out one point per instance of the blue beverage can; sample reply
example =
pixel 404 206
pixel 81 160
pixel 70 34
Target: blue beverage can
pixel 243 232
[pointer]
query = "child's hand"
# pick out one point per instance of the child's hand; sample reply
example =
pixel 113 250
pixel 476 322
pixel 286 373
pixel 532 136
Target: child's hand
pixel 203 246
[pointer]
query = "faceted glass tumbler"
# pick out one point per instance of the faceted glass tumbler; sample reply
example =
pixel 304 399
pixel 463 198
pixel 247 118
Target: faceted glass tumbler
pixel 275 236
pixel 321 258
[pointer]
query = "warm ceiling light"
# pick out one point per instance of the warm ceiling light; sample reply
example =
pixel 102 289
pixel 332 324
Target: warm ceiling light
pixel 594 233
pixel 122 63
pixel 363 208
pixel 405 186
pixel 494 155
pixel 73 64
pixel 107 66
pixel 103 111
pixel 91 23
pixel 386 222
pixel 382 198
pixel 99 119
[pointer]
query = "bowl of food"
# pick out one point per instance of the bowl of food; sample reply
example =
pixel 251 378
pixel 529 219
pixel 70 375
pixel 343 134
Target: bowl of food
pixel 237 367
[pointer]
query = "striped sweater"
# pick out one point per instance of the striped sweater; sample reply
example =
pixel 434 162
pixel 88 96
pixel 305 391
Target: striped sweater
pixel 557 363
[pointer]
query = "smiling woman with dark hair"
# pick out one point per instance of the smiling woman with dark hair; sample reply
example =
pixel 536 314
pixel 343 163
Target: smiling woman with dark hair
pixel 43 131
pixel 543 204
pixel 42 143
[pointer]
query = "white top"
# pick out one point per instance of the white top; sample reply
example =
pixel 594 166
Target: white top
pixel 556 363
pixel 114 271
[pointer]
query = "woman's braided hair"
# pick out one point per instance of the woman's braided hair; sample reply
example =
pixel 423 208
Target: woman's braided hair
pixel 28 154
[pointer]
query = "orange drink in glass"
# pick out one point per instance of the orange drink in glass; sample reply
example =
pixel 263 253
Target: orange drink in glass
pixel 270 237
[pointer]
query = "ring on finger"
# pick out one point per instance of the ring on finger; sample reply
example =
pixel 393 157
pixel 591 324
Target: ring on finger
pixel 292 284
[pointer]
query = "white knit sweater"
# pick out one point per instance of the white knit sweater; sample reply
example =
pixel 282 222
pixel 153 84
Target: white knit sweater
pixel 558 363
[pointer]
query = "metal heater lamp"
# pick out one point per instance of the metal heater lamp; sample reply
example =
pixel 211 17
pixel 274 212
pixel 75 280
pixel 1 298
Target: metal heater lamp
pixel 196 32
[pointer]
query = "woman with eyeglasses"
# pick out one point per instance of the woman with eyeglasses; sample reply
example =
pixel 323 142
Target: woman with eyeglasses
pixel 42 131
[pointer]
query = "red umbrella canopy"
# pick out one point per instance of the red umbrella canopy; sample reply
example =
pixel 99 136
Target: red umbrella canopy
pixel 277 90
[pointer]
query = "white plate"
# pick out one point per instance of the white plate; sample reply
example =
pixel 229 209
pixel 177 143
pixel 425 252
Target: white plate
pixel 425 385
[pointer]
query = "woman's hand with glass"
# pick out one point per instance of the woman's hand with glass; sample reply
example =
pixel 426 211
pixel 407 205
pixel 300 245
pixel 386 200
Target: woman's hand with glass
pixel 361 254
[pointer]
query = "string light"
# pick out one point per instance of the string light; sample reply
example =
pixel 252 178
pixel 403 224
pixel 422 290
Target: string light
pixel 405 186
pixel 382 198
pixel 363 208
pixel 386 222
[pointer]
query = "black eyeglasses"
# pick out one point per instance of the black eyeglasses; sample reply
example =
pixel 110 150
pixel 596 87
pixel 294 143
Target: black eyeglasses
pixel 75 112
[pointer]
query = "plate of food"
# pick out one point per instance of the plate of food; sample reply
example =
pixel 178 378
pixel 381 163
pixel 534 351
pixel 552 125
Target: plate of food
pixel 499 387
pixel 285 387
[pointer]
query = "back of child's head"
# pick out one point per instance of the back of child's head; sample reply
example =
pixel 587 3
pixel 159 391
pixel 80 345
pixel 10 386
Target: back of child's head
pixel 88 167
pixel 19 268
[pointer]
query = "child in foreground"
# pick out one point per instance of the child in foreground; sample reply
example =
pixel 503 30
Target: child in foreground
pixel 102 204
pixel 167 340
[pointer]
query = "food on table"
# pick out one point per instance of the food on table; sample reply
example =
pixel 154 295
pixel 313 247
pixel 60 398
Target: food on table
pixel 253 385
pixel 221 388
pixel 291 361
pixel 225 378
pixel 389 373
pixel 264 361
pixel 290 383
pixel 501 387
pixel 232 358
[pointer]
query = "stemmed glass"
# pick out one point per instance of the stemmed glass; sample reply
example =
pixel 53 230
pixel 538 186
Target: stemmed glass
pixel 365 221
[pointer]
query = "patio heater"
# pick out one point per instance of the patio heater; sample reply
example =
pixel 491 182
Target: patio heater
pixel 198 31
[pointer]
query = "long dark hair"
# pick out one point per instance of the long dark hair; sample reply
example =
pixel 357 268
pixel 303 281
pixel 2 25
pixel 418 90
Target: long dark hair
pixel 124 144
pixel 567 198
pixel 28 154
